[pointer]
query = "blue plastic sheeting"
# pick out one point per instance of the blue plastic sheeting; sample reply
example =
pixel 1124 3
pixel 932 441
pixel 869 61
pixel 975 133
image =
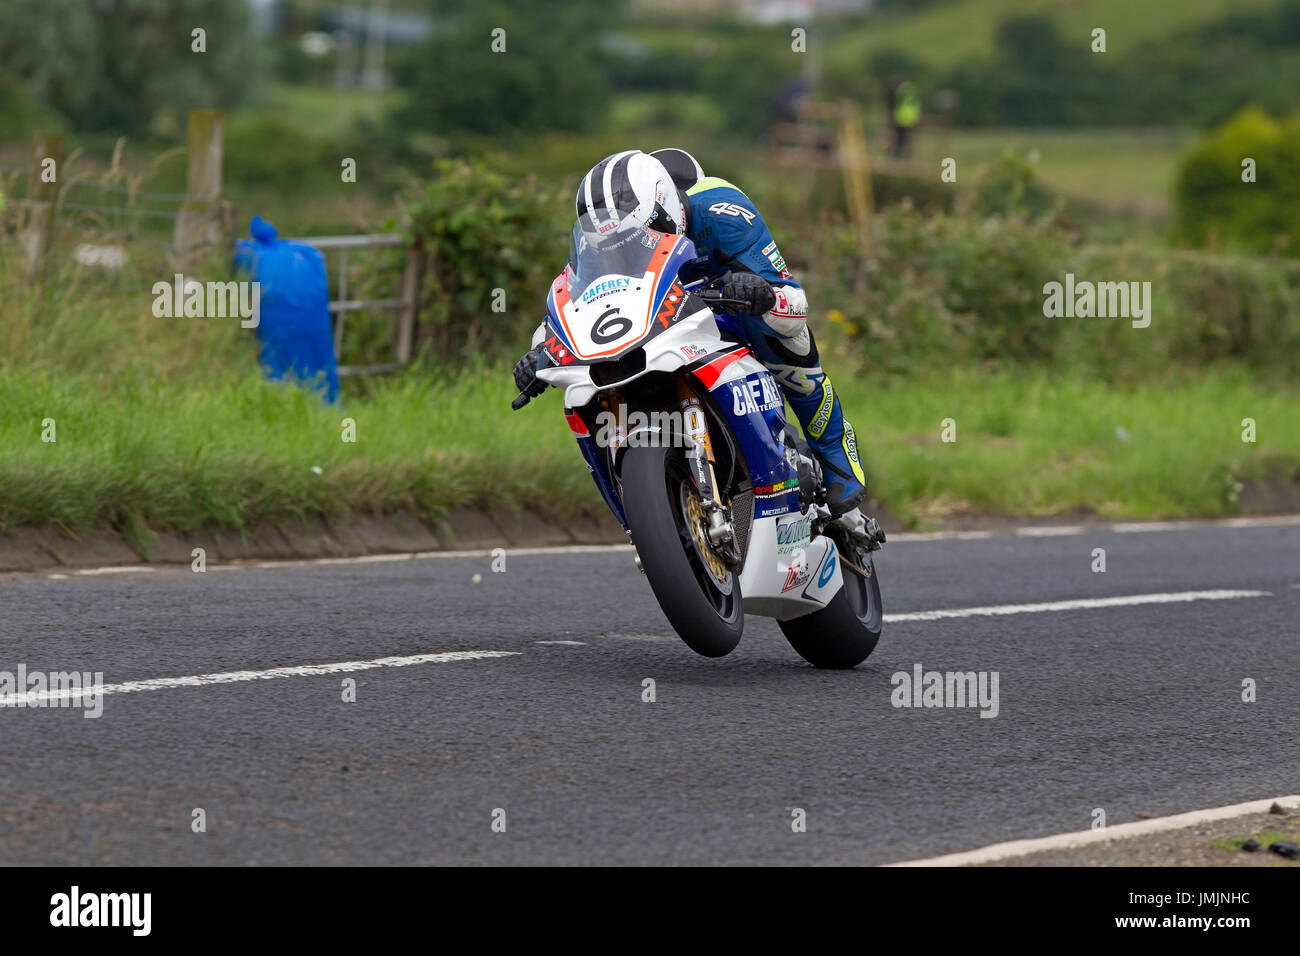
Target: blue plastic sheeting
pixel 295 332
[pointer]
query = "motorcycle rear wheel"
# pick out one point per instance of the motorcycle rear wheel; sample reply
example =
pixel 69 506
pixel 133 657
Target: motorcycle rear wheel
pixel 845 632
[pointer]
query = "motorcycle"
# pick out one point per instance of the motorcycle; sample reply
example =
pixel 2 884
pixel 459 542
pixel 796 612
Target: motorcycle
pixel 684 433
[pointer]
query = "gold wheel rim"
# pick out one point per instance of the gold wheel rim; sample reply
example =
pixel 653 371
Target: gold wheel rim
pixel 695 517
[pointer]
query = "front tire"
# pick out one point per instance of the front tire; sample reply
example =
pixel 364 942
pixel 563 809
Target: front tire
pixel 704 610
pixel 843 633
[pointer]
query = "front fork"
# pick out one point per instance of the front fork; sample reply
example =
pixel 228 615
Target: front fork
pixel 699 456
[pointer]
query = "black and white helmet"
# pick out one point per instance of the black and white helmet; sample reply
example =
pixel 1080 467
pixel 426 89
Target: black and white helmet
pixel 681 165
pixel 631 184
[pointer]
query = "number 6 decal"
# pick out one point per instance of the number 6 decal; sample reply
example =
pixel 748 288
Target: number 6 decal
pixel 610 327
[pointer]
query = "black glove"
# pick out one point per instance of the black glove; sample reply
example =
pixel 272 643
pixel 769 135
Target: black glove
pixel 750 289
pixel 526 379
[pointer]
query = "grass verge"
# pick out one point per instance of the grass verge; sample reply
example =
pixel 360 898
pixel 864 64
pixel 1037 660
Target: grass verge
pixel 231 452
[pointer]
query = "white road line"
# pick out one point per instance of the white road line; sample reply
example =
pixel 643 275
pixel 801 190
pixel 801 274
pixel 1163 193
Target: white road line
pixel 299 562
pixel 1119 527
pixel 556 549
pixel 1066 841
pixel 1081 604
pixel 1049 531
pixel 1261 521
pixel 232 677
pixel 422 555
pixel 116 569
pixel 917 536
pixel 1140 527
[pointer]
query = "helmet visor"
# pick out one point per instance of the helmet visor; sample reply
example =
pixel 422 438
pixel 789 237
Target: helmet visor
pixel 596 251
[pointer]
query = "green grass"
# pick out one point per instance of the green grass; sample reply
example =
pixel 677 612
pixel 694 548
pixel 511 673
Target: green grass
pixel 234 451
pixel 166 422
pixel 641 114
pixel 947 33
pixel 1264 838
pixel 1110 167
pixel 1038 445
pixel 326 111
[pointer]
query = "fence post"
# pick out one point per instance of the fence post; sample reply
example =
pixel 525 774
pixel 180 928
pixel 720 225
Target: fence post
pixel 408 317
pixel 44 193
pixel 199 222
pixel 857 172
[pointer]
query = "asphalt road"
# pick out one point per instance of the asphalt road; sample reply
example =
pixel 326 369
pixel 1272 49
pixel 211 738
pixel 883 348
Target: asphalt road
pixel 1132 709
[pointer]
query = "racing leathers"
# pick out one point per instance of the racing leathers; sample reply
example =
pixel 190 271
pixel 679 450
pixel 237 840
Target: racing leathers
pixel 724 226
pixel 728 232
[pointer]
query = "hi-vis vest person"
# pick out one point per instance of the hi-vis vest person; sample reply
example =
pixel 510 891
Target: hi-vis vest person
pixel 907 106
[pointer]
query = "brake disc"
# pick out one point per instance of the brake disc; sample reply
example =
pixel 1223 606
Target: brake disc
pixel 698 523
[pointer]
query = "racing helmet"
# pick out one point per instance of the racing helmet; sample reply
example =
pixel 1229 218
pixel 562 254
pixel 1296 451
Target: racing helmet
pixel 681 165
pixel 631 183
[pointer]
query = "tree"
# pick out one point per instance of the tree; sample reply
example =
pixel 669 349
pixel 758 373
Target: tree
pixel 128 65
pixel 496 68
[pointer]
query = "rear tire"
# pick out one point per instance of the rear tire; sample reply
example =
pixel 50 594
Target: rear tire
pixel 708 617
pixel 844 633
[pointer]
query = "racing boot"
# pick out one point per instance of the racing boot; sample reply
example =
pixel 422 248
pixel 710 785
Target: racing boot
pixel 863 532
pixel 785 345
pixel 833 441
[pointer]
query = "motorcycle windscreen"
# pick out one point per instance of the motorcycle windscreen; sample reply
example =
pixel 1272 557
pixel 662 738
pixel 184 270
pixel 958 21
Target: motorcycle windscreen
pixel 611 295
pixel 608 250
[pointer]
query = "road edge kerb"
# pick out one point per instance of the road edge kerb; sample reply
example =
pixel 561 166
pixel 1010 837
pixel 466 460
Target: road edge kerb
pixel 1121 831
pixel 52 549
pixel 34 550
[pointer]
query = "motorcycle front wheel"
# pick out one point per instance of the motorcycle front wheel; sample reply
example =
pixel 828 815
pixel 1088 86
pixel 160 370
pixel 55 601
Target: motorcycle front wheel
pixel 698 593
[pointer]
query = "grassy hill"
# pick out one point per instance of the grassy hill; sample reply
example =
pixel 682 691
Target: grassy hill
pixel 945 34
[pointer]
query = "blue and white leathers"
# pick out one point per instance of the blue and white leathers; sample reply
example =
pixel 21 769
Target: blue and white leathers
pixel 727 229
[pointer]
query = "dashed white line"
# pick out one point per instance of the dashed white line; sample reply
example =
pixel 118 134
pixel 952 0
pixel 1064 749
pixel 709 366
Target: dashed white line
pixel 1080 604
pixel 1065 841
pixel 1049 531
pixel 1140 527
pixel 1119 527
pixel 919 536
pixel 423 555
pixel 232 677
pixel 116 569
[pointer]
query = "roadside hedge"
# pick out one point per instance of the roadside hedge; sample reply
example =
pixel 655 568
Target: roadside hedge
pixel 944 290
pixel 482 232
pixel 936 290
pixel 1216 206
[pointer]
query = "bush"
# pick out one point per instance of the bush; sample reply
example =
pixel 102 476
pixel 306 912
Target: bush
pixel 20 114
pixel 949 290
pixel 483 231
pixel 264 151
pixel 1214 205
pixel 1008 186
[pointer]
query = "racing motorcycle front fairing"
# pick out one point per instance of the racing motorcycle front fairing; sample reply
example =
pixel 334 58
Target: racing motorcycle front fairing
pixel 624 336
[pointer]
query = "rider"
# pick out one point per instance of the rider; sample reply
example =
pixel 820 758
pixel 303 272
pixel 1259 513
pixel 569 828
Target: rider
pixel 668 189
